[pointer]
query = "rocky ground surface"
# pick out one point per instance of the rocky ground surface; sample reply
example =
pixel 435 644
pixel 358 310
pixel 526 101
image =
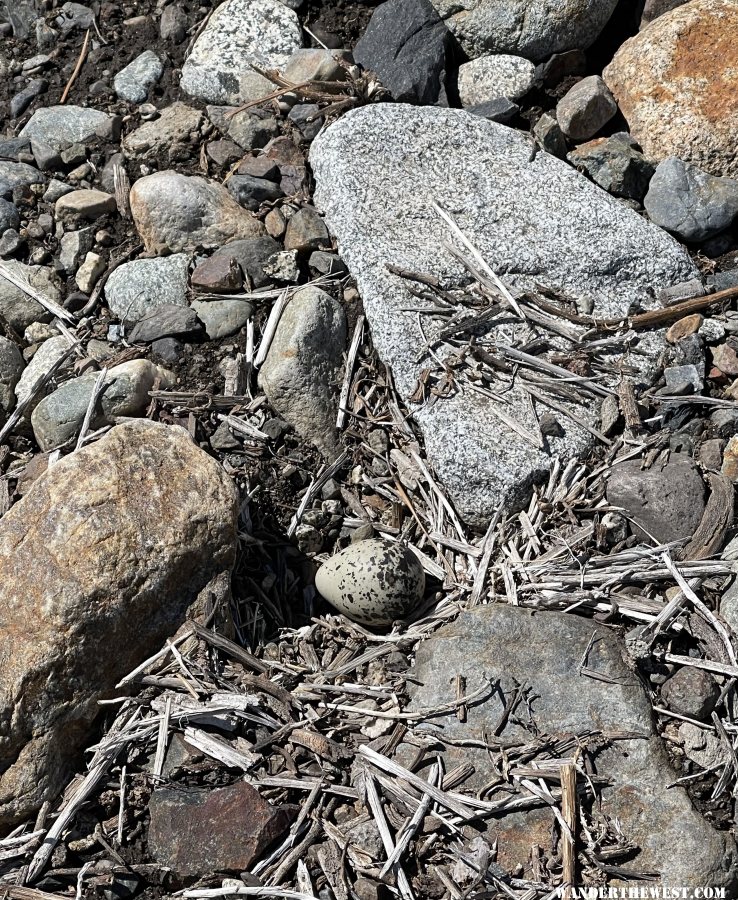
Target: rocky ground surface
pixel 368 448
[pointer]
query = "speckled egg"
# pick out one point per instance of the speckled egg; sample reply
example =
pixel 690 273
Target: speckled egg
pixel 372 582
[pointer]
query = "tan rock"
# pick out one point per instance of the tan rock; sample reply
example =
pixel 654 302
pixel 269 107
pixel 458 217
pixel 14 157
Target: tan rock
pixel 100 561
pixel 676 83
pixel 84 204
pixel 683 328
pixel 174 212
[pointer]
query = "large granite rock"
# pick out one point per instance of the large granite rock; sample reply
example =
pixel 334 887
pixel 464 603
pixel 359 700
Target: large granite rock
pixel 676 83
pixel 378 170
pixel 175 212
pixel 533 30
pixel 240 32
pixel 544 652
pixel 100 562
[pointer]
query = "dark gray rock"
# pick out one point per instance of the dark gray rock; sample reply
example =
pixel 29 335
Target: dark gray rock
pixel 549 136
pixel 689 202
pixel 169 350
pixel 585 108
pixel 250 130
pixel 307 119
pixel 12 148
pixel 499 110
pixel 652 9
pixel 327 263
pixel 133 82
pixel 19 174
pixel 75 17
pixel 11 369
pixel 17 308
pixel 6 189
pixel 250 192
pixel 408 45
pixel 251 254
pixel 222 318
pixel 165 321
pixel 615 165
pixel 666 503
pixel 21 14
pixel 259 167
pixel 23 99
pixel 10 243
pixel 691 692
pixel 560 66
pixel 9 217
pixel 47 158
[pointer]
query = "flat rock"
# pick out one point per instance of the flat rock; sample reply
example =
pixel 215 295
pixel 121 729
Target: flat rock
pixel 533 30
pixel 302 368
pixel 491 77
pixel 676 83
pixel 543 651
pixel 16 307
pixel 222 318
pixel 689 202
pixel 135 289
pixel 67 552
pixel 170 132
pixel 84 204
pixel 240 32
pixel 195 830
pixel 11 369
pixel 59 126
pixel 165 321
pixel 18 174
pixel 133 82
pixel 220 274
pixel 174 212
pixel 377 171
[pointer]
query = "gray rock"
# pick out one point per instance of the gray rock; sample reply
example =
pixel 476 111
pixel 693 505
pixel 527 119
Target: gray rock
pixel 173 24
pixel 21 16
pixel 42 361
pixel 615 165
pixel 686 290
pixel 585 108
pixel 10 243
pixel 683 379
pixel 13 148
pixel 135 289
pixel 222 318
pixel 306 230
pixel 240 32
pixel 283 266
pixel 302 368
pixel 252 131
pixel 11 369
pixel 174 212
pixel 17 308
pixel 74 246
pixel 18 174
pixel 75 17
pixel 223 439
pixel 171 132
pixel 378 169
pixel 543 651
pixel 133 82
pixel 23 99
pixel 250 192
pixel 55 190
pixel 327 263
pixel 490 77
pixel 532 30
pixel 666 502
pixel 689 202
pixel 499 110
pixel 407 44
pixel 47 158
pixel 251 254
pixel 691 692
pixel 549 136
pixel 307 119
pixel 60 126
pixel 57 419
pixel 9 217
pixel 165 321
pixel 169 350
pixel 316 65
pixel 703 747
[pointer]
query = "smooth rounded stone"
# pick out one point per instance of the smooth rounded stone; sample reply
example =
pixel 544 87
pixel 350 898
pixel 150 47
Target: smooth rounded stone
pixel 377 172
pixel 23 99
pixel 666 503
pixel 372 582
pixel 173 24
pixel 409 47
pixel 615 165
pixel 9 217
pixel 250 192
pixel 316 65
pixel 252 131
pixel 171 132
pixel 251 255
pixel 676 84
pixel 239 33
pixel 90 270
pixel 306 230
pixel 16 307
pixel 108 549
pixel 174 212
pixel 689 202
pixel 57 419
pixel 11 369
pixel 691 692
pixel 59 126
pixel 302 369
pixel 532 30
pixel 19 174
pixel 84 204
pixel 135 289
pixel 165 321
pixel 490 77
pixel 220 274
pixel 585 108
pixel 222 318
pixel 42 361
pixel 133 82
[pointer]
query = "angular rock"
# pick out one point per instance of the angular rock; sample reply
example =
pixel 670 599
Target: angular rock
pixel 78 564
pixel 85 204
pixel 58 417
pixel 59 126
pixel 43 359
pixel 133 82
pixel 90 270
pixel 307 119
pixel 18 174
pixel 250 130
pixel 11 369
pixel 665 502
pixel 549 136
pixel 251 255
pixel 219 274
pixel 195 830
pixel 302 368
pixel 23 99
pixel 652 9
pixel 676 84
pixel 316 65
pixel 532 30
pixel 259 167
pixel 689 202
pixel 73 246
pixel 171 132
pixel 240 32
pixel 543 651
pixel 250 192
pixel 615 165
pixel 377 171
pixel 306 230
pixel 135 289
pixel 283 266
pixel 407 45
pixel 165 321
pixel 490 77
pixel 691 692
pixel 222 318
pixel 174 212
pixel 9 217
pixel 16 307
pixel 585 108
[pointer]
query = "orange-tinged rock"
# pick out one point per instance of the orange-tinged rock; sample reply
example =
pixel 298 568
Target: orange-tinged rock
pixel 683 328
pixel 730 459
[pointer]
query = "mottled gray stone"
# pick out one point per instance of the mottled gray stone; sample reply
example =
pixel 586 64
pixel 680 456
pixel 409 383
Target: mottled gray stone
pixel 378 170
pixel 18 174
pixel 543 651
pixel 240 32
pixel 171 132
pixel 17 308
pixel 252 131
pixel 42 360
pixel 11 369
pixel 59 126
pixel 689 202
pixel 73 246
pixel 533 30
pixel 222 318
pixel 135 289
pixel 9 217
pixel 173 24
pixel 585 108
pixel 165 321
pixel 490 77
pixel 616 165
pixel 133 82
pixel 301 373
pixel 251 254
